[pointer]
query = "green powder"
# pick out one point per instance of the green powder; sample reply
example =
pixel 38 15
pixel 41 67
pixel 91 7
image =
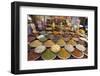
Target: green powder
pixel 48 55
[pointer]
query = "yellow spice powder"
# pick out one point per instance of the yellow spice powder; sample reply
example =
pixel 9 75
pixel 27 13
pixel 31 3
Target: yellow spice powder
pixel 63 54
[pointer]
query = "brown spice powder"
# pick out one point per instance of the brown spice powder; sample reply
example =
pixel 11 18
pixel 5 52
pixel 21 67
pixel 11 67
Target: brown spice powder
pixel 77 53
pixel 32 55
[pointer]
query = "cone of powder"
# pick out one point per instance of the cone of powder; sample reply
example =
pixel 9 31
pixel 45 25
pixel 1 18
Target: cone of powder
pixel 35 43
pixel 40 49
pixel 49 43
pixel 61 42
pixel 55 48
pixel 77 54
pixel 63 54
pixel 48 55
pixel 32 55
